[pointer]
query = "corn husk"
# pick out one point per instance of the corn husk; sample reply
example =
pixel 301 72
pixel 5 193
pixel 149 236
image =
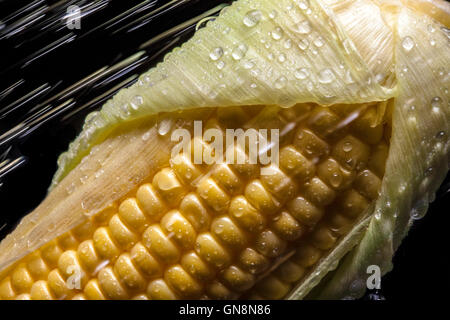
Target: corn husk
pixel 352 51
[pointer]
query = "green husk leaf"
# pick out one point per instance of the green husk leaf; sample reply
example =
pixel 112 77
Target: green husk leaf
pixel 229 62
pixel 418 156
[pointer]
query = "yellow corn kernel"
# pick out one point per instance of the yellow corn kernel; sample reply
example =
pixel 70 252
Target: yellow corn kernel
pixel 351 152
pixel 237 279
pixel 323 121
pixel 88 255
pixel 168 186
pixel 158 290
pixel 224 229
pixel 304 211
pixel 196 267
pixel 260 198
pixel 216 290
pixel 69 265
pixel 124 237
pixel 295 164
pixel 92 290
pixel 318 192
pixel 104 245
pixel 128 273
pixel 21 280
pixel 110 285
pixel 227 179
pixel 185 169
pixel 149 202
pixel 159 244
pixel 37 267
pixel 23 296
pixel 145 261
pixel 132 215
pixel 213 195
pixel 212 251
pixel 307 255
pixel 272 288
pixel 67 241
pixel 310 144
pixel 368 184
pixel 182 282
pixel 57 284
pixel 247 216
pixel 245 169
pixel 340 224
pixel 352 203
pixel 287 227
pixel 252 261
pixel 378 159
pixel 323 238
pixel 179 229
pixel 218 231
pixel 290 272
pixel 277 183
pixel 364 128
pixel 41 291
pixel 50 253
pixel 6 289
pixel 192 208
pixel 269 244
pixel 330 172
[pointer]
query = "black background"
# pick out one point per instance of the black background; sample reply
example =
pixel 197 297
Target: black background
pixel 32 55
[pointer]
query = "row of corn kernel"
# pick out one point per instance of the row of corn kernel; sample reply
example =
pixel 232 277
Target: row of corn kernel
pixel 282 280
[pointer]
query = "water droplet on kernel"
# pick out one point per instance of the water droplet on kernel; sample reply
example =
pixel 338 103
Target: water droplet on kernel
pixel 145 136
pixel 252 18
pixel 318 42
pixel 239 52
pixel 273 14
pixel 419 209
pixel 303 5
pixel 326 76
pixel 301 73
pixel 216 53
pixel 220 65
pixel 164 126
pixel 277 34
pixel 347 147
pixel 124 110
pixel 303 44
pixel 408 43
pixel 280 82
pixel 378 214
pixel 440 135
pixel 136 102
pixel 248 64
pixel 303 27
pixel 436 104
pixel 288 43
pixel 335 180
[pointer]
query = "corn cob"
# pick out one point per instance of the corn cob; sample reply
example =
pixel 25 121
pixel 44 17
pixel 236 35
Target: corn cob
pixel 199 231
pixel 348 165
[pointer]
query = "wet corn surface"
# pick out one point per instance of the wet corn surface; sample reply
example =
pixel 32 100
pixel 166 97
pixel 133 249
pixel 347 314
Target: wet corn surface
pixel 222 231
